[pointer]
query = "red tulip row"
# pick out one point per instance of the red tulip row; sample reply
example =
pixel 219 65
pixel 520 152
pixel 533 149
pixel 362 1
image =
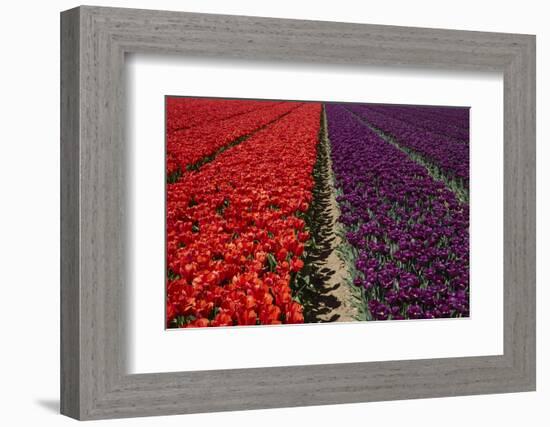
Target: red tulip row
pixel 183 113
pixel 188 146
pixel 234 232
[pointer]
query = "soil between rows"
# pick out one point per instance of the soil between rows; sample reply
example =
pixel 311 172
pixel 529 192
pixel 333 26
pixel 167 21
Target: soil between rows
pixel 330 298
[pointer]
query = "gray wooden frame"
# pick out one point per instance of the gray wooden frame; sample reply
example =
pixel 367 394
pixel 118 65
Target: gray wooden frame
pixel 94 41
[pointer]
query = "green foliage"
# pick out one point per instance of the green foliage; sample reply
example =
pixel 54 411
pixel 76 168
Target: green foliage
pixel 170 275
pixel 173 177
pixel 272 262
pixel 181 321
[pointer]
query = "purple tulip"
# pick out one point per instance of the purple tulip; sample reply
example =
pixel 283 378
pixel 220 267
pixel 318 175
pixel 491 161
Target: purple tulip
pixel 451 157
pixel 410 232
pixel 415 312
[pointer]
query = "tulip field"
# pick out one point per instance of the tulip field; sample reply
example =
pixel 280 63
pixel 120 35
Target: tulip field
pixel 281 212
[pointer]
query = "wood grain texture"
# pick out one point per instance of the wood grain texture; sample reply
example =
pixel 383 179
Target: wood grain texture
pixel 70 221
pixel 94 270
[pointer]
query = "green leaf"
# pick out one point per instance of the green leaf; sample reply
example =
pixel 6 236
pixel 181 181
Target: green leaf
pixel 214 313
pixel 272 262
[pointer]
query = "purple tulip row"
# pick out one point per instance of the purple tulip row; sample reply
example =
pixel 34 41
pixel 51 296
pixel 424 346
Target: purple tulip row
pixel 417 117
pixel 451 158
pixel 457 116
pixel 409 233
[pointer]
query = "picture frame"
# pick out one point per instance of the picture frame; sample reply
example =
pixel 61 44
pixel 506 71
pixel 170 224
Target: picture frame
pixel 94 42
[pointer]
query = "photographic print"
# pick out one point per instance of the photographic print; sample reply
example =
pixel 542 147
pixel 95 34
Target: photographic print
pixel 287 212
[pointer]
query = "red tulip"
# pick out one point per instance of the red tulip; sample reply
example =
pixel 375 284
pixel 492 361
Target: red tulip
pixel 225 220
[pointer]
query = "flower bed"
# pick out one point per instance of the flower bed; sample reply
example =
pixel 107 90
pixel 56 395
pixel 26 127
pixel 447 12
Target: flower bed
pixel 434 122
pixel 409 233
pixel 450 157
pixel 183 113
pixel 187 147
pixel 235 235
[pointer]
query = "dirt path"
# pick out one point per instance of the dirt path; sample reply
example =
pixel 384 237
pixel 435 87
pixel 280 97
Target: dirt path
pixel 332 300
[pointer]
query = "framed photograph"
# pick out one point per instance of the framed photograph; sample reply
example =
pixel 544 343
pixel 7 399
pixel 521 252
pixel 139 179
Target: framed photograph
pixel 261 213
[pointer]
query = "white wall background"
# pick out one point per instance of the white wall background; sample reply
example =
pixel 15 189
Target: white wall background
pixel 29 215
